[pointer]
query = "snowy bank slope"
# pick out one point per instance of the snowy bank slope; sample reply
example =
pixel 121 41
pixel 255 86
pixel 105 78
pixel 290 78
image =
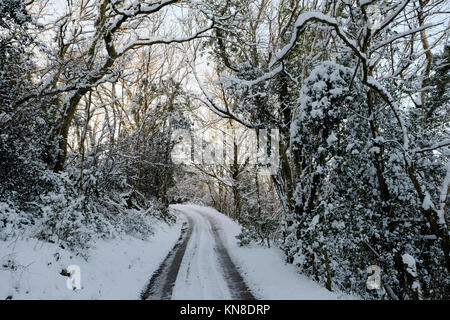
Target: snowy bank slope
pixel 264 269
pixel 116 269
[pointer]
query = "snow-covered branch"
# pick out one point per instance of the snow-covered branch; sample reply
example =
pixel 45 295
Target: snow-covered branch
pixel 149 42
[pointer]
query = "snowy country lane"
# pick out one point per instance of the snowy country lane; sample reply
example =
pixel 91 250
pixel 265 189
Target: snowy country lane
pixel 199 266
pixel 208 263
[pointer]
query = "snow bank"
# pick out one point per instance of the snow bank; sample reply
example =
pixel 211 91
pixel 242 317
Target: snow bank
pixel 264 269
pixel 115 269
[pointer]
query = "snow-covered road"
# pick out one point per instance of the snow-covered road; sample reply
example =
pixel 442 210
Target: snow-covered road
pixel 208 263
pixel 199 266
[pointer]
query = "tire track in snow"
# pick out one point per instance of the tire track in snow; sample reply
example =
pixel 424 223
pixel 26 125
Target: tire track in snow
pixel 201 276
pixel 198 267
pixel 161 284
pixel 235 281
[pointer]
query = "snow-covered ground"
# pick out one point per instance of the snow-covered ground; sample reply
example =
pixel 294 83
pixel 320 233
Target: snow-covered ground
pixel 264 269
pixel 115 269
pixel 121 268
